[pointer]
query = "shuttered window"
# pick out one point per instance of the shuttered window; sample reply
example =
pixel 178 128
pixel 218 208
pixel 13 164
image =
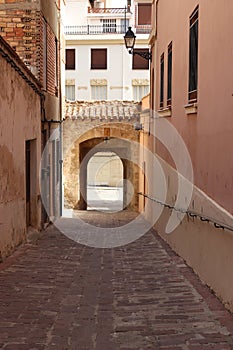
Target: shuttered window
pixel 99 92
pixel 52 81
pixel 70 59
pixel 44 68
pixel 169 75
pixel 98 58
pixel 109 25
pixel 144 14
pixel 140 62
pixel 70 92
pixel 193 56
pixel 161 80
pixel 139 91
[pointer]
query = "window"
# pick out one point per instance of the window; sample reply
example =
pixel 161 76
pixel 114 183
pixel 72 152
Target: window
pixel 53 173
pixel 56 67
pixel 70 92
pixel 140 62
pixel 193 56
pixel 109 25
pixel 70 59
pixel 44 70
pixel 52 64
pixel 49 68
pixel 161 80
pixel 139 91
pixel 30 183
pixel 57 160
pixel 152 82
pixel 99 92
pixel 98 58
pixel 169 75
pixel 144 14
pixel 124 25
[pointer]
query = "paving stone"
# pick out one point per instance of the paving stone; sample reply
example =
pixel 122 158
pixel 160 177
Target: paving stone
pixel 61 295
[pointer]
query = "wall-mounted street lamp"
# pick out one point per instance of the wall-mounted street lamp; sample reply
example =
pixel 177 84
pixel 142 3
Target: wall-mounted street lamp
pixel 129 44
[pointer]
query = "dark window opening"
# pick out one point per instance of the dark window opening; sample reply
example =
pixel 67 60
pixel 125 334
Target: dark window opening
pixel 161 80
pixel 193 56
pixel 30 182
pixel 152 90
pixel 169 75
pixel 70 59
pixel 57 161
pixel 54 176
pixel 98 58
pixel 56 67
pixel 140 62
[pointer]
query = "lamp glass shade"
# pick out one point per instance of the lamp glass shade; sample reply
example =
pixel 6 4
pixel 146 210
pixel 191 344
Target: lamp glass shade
pixel 129 39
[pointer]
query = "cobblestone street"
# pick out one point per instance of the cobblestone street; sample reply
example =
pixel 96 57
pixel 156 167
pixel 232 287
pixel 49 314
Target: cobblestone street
pixel 57 294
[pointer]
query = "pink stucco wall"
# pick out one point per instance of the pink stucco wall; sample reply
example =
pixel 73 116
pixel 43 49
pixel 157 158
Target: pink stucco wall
pixel 209 133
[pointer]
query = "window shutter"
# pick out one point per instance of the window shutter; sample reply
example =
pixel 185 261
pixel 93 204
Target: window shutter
pixel 144 14
pixel 70 58
pixel 44 67
pixel 98 58
pixel 161 80
pixel 193 56
pixel 169 75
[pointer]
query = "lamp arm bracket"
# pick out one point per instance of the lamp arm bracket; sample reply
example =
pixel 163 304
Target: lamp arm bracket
pixel 146 55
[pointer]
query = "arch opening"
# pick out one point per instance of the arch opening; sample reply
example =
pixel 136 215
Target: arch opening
pixel 105 180
pixel 81 151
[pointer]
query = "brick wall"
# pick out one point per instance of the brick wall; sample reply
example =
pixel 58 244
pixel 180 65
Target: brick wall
pixel 22 25
pixel 19 29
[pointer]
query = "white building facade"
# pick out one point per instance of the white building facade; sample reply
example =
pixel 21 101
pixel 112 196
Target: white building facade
pixel 98 66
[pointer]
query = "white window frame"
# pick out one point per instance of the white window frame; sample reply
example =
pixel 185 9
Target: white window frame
pixel 109 25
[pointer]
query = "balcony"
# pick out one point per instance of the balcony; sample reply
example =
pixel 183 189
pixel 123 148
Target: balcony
pixel 100 29
pixel 142 29
pixel 104 10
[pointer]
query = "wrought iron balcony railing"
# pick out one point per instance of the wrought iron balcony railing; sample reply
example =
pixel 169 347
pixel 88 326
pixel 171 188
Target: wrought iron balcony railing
pixel 100 29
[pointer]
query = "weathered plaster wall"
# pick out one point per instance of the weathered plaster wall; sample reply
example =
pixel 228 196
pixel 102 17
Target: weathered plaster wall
pixel 19 121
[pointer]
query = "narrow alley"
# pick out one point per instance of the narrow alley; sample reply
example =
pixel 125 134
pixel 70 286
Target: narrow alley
pixel 58 294
pixel 116 175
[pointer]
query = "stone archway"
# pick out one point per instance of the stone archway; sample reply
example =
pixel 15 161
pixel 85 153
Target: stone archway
pixel 122 139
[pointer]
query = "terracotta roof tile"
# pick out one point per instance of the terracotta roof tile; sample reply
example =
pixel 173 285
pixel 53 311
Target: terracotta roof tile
pixel 102 110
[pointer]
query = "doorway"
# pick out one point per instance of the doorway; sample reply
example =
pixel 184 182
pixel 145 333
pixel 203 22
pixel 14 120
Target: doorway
pixel 30 182
pixel 105 182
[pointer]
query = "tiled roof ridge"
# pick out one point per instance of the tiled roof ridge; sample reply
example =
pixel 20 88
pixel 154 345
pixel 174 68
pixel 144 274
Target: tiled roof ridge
pixel 103 110
pixel 102 102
